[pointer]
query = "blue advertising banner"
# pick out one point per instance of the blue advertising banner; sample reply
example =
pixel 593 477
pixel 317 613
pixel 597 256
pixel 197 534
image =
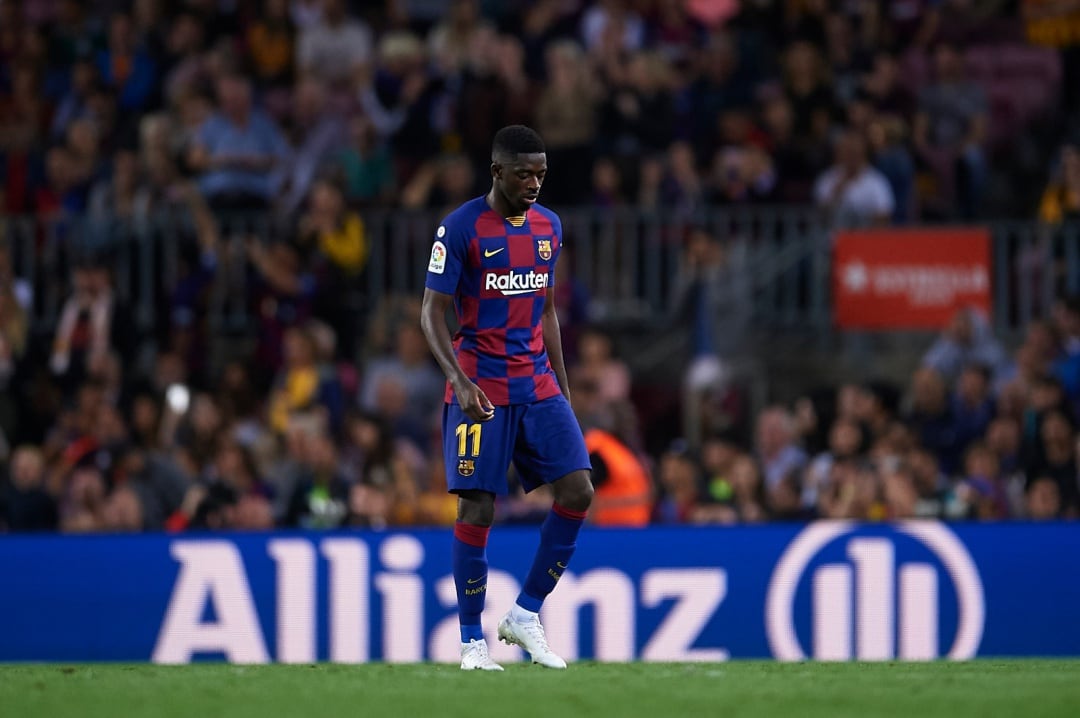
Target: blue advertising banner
pixel 827 590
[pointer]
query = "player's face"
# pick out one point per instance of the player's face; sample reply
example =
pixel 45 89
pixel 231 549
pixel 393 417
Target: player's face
pixel 519 179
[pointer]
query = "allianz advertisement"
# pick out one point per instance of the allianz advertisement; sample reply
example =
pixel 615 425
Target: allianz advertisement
pixel 829 590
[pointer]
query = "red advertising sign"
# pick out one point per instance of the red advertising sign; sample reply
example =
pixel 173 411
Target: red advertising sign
pixel 909 278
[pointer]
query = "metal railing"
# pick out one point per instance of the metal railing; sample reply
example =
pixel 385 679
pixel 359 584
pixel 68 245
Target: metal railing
pixel 629 262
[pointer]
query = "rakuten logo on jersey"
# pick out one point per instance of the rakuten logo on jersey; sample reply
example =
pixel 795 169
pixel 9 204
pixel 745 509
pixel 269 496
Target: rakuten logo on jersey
pixel 513 283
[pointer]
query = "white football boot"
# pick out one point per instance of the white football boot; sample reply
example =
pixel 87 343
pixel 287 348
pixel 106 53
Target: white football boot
pixel 475 657
pixel 530 636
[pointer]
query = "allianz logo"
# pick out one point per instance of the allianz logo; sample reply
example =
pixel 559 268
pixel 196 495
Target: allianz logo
pixel 870 606
pixel 385 603
pixel 212 575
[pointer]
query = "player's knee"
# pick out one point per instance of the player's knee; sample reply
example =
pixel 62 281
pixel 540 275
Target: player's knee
pixel 476 508
pixel 575 492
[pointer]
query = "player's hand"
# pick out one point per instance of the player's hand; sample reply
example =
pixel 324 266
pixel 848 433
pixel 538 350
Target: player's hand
pixel 474 402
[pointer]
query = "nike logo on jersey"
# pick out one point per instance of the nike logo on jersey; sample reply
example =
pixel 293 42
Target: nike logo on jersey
pixel 488 253
pixel 560 564
pixel 473 580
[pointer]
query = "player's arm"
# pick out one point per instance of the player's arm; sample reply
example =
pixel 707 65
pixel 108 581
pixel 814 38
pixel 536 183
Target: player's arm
pixel 549 325
pixel 472 399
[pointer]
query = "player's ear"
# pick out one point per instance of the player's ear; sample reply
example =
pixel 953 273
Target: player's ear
pixel 496 170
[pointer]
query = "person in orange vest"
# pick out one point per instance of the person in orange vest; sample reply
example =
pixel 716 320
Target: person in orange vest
pixel 624 490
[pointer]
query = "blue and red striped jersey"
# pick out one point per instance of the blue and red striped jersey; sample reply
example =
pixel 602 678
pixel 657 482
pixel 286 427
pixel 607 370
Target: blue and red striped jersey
pixel 499 270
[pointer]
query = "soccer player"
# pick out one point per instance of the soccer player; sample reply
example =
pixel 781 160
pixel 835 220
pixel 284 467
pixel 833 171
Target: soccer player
pixel 506 397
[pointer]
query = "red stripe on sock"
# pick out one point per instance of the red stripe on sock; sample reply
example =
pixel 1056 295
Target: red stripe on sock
pixel 472 534
pixel 569 513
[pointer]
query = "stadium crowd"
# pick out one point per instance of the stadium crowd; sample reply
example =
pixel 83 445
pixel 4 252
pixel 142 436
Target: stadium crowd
pixel 315 111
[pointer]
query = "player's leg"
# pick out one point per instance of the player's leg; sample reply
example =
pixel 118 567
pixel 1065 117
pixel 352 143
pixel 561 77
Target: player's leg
pixel 473 454
pixel 476 511
pixel 558 539
pixel 550 449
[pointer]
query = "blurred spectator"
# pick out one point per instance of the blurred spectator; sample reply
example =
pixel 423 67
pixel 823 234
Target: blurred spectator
pixel 931 417
pixel 26 505
pixel 972 404
pixel 845 442
pixel 366 164
pixel 75 101
pixel 968 339
pixel 451 41
pixel 283 296
pixel 271 41
pixel 1061 198
pixel 678 478
pixel 613 18
pixel 899 495
pixel 852 190
pixel 493 91
pixel 1056 457
pixel 127 68
pixel 683 189
pixel 321 497
pixel 317 135
pixel 934 498
pixel 597 363
pixel 623 487
pixel 743 175
pixel 891 157
pixel 335 48
pixel 382 475
pixel 1057 25
pixel 982 489
pixel 122 196
pixel 774 440
pixel 234 467
pixel 1044 500
pixel 713 288
pixel 805 83
pixel 724 82
pixel 83 505
pixel 186 66
pixel 441 184
pixel 950 129
pixel 237 150
pixel 637 114
pixel 61 195
pixel 402 100
pixel 883 87
pixel 409 372
pixel 607 184
pixel 92 323
pixel 334 240
pixel 303 386
pixel 911 22
pixel 566 117
pixel 1003 437
pixel 742 499
pixel 14 338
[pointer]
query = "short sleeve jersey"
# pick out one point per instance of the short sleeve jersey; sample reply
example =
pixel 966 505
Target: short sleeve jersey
pixel 499 272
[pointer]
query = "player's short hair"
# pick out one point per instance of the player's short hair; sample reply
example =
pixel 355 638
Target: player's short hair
pixel 516 140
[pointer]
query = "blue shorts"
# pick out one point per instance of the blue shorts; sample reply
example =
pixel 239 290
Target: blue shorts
pixel 543 440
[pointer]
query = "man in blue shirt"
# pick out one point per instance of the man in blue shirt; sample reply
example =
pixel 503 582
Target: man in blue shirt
pixel 239 151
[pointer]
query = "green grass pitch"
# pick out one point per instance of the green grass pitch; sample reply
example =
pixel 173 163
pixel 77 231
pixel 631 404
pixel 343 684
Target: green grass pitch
pixel 741 689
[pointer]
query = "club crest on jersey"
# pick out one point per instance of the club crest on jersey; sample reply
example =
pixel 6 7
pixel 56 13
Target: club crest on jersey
pixel 543 248
pixel 466 467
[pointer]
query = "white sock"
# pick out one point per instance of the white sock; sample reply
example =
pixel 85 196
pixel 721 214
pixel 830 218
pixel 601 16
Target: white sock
pixel 521 615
